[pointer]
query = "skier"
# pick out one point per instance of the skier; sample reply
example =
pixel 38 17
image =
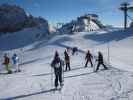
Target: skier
pixel 100 61
pixel 74 50
pixel 67 60
pixel 15 60
pixel 56 64
pixel 88 58
pixel 6 63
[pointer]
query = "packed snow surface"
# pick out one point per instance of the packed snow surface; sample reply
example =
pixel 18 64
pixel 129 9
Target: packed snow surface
pixel 35 81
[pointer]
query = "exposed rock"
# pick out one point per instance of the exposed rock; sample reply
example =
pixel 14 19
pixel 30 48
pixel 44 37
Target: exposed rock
pixel 13 18
pixel 87 22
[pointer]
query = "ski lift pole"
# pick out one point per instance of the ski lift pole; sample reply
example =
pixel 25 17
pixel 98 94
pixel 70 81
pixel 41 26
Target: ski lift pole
pixel 108 47
pixel 21 54
pixel 94 58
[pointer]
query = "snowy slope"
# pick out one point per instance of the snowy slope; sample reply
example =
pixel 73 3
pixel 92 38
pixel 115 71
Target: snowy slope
pixel 34 82
pixel 22 38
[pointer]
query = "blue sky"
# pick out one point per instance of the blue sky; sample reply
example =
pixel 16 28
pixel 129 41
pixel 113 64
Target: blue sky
pixel 66 10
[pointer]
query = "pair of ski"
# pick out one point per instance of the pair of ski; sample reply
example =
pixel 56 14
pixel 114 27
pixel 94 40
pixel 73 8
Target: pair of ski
pixel 61 86
pixel 57 89
pixel 10 72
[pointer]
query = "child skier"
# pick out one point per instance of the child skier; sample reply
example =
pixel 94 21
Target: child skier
pixel 100 62
pixel 88 58
pixel 67 60
pixel 15 61
pixel 6 63
pixel 56 64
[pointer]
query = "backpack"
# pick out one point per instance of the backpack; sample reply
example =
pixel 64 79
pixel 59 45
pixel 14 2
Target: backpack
pixel 57 65
pixel 7 60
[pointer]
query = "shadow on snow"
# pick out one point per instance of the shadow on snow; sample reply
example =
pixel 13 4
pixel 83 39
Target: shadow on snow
pixel 45 74
pixel 110 36
pixel 41 92
pixel 44 43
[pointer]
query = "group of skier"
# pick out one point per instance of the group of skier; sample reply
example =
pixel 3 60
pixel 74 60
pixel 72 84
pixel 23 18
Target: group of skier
pixel 100 60
pixel 15 62
pixel 58 64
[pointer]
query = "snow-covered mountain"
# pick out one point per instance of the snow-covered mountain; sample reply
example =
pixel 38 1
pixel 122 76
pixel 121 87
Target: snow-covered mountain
pixel 23 38
pixel 52 29
pixel 11 17
pixel 36 80
pixel 14 18
pixel 86 23
pixel 131 25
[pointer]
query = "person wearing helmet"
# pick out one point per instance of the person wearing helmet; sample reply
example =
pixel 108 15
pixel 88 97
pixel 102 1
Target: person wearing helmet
pixel 57 65
pixel 15 61
pixel 6 63
pixel 100 61
pixel 88 58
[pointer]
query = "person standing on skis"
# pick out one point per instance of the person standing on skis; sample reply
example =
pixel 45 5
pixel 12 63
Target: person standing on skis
pixel 88 58
pixel 100 61
pixel 56 64
pixel 67 60
pixel 15 61
pixel 6 63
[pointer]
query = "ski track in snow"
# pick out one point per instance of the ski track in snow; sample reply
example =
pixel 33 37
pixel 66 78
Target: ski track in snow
pixel 34 82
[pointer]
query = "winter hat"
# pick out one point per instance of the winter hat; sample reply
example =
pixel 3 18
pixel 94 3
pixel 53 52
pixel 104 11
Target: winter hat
pixel 56 54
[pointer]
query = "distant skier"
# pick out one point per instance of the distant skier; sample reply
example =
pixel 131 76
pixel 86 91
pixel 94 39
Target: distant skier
pixel 67 60
pixel 100 62
pixel 15 61
pixel 6 63
pixel 88 58
pixel 74 50
pixel 57 65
